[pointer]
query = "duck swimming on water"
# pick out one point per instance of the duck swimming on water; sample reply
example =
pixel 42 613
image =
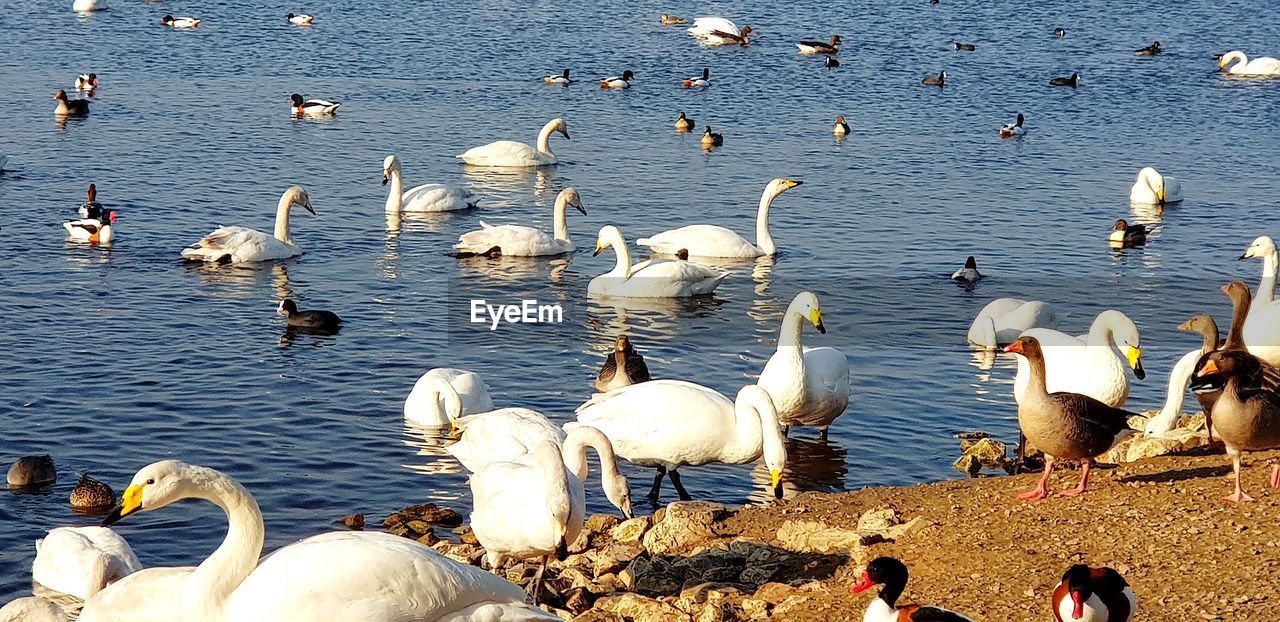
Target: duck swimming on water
pixel 1072 81
pixel 938 80
pixel 317 320
pixel 683 123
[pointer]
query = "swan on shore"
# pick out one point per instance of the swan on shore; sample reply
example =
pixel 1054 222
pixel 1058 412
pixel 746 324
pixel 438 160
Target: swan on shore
pixel 717 241
pixel 509 153
pixel 243 245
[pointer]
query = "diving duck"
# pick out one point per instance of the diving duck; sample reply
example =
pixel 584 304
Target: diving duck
pixel 683 123
pixel 91 208
pixel 70 107
pixel 180 23
pixel 315 320
pixel 299 20
pixel 1065 426
pixel 892 574
pixel 1128 234
pixel 1093 595
pixel 938 80
pixel 618 82
pixel 969 273
pixel 32 471
pixel 840 128
pixel 1059 32
pixel 1150 50
pixel 830 62
pixel 1072 81
pixel 624 367
pixel 561 78
pixel 819 47
pixel 312 107
pixel 1016 128
pixel 698 81
pixel 711 139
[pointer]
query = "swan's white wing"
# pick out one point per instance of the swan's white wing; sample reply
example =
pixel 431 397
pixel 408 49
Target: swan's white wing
pixel 501 153
pixel 149 595
pixel 471 388
pixel 372 577
pixel 701 240
pixel 707 26
pixel 240 244
pixel 661 422
pixel 689 278
pixel 1074 366
pixel 80 561
pixel 509 514
pixel 513 240
pixel 501 435
pixel 437 198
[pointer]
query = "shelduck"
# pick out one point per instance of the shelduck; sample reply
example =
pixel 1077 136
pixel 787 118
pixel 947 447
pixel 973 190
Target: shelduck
pixel 300 20
pixel 699 81
pixel 560 78
pixel 87 82
pixel 313 107
pixel 1016 128
pixel 618 82
pixel 1093 595
pixel 893 575
pixel 180 23
pixel 92 230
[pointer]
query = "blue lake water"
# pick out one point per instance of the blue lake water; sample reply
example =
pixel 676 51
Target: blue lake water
pixel 115 359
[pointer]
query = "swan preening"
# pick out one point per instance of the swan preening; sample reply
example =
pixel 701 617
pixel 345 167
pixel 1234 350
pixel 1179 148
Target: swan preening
pixel 81 561
pixel 444 394
pixel 667 424
pixel 241 244
pixel 1265 66
pixel 1002 320
pixel 1087 365
pixel 718 31
pixel 716 241
pixel 354 576
pixel 523 241
pixel 808 386
pixel 1152 188
pixel 654 278
pixel 509 153
pixel 424 198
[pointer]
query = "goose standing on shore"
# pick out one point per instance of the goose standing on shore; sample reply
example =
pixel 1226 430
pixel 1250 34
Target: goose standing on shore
pixel 718 31
pixel 1263 323
pixel 667 424
pixel 1247 418
pixel 1152 188
pixel 654 278
pixel 717 241
pixel 623 367
pixel 349 576
pixel 1087 364
pixel 523 241
pixel 820 47
pixel 235 245
pixel 432 405
pixel 1064 425
pixel 808 386
pixel 1265 66
pixel 509 153
pixel 1093 595
pixel 424 198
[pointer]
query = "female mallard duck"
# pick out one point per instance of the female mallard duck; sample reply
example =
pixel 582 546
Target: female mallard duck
pixel 1246 417
pixel 87 82
pixel 1016 128
pixel 1150 50
pixel 313 107
pixel 698 81
pixel 1152 188
pixel 299 20
pixel 180 23
pixel 624 367
pixel 718 31
pixel 717 241
pixel 1072 81
pixel 1128 234
pixel 91 494
pixel 315 320
pixel 965 47
pixel 509 153
pixel 711 139
pixel 92 230
pixel 670 20
pixel 241 244
pixel 893 575
pixel 820 47
pixel 1093 595
pixel 649 279
pixel 938 80
pixel 808 386
pixel 32 471
pixel 1065 426
pixel 70 107
pixel 521 240
pixel 683 123
pixel 840 128
pixel 561 78
pixel 618 82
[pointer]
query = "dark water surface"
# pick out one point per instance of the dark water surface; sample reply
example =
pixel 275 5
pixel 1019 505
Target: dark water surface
pixel 115 359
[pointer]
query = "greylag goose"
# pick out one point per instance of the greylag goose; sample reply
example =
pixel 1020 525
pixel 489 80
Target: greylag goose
pixel 893 575
pixel 1208 387
pixel 624 367
pixel 1248 419
pixel 1093 594
pixel 1065 426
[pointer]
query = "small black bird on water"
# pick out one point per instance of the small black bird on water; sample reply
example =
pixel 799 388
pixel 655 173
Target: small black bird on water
pixel 831 63
pixel 316 320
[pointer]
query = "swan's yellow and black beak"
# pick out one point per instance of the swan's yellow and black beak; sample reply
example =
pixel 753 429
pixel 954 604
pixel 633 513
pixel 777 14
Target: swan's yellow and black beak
pixel 130 502
pixel 1135 361
pixel 775 482
pixel 1160 195
pixel 599 248
pixel 815 316
pixel 385 178
pixel 791 183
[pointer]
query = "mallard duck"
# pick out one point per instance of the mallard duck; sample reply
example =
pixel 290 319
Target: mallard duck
pixel 938 80
pixel 1072 81
pixel 317 320
pixel 683 123
pixel 313 107
pixel 711 139
pixel 624 367
pixel 561 78
pixel 32 471
pixel 299 20
pixel 820 47
pixel 618 82
pixel 1093 595
pixel 70 107
pixel 893 575
pixel 671 20
pixel 1150 50
pixel 91 494
pixel 1128 234
pixel 840 128
pixel 181 23
pixel 698 81
pixel 1016 128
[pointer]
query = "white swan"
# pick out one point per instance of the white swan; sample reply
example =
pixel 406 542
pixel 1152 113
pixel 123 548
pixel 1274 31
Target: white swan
pixel 1265 66
pixel 1003 320
pixel 718 31
pixel 649 279
pixel 522 241
pixel 242 244
pixel 808 386
pixel 1179 380
pixel 1087 364
pixel 716 241
pixel 424 198
pixel 83 6
pixel 333 577
pixel 443 394
pixel 510 153
pixel 1262 326
pixel 1152 188
pixel 32 609
pixel 80 561
pixel 667 424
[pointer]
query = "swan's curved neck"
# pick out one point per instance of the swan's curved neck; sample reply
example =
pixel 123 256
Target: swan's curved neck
pixel 395 199
pixel 282 218
pixel 1101 332
pixel 575 449
pixel 1267 287
pixel 544 138
pixel 213 581
pixel 763 239
pixel 556 483
pixel 791 335
pixel 623 266
pixel 561 221
pixel 756 432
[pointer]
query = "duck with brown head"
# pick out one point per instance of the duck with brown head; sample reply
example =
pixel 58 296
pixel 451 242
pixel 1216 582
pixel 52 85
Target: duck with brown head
pixel 70 107
pixel 969 273
pixel 1128 234
pixel 820 47
pixel 683 123
pixel 840 128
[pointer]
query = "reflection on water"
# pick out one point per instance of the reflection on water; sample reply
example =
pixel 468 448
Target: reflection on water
pixel 510 187
pixel 812 464
pixel 504 268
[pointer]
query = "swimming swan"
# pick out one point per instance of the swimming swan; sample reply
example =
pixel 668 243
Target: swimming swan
pixel 1087 364
pixel 510 153
pixel 522 241
pixel 1152 188
pixel 718 31
pixel 242 244
pixel 424 198
pixel 649 279
pixel 716 241
pixel 81 561
pixel 1002 320
pixel 808 386
pixel 443 394
pixel 1265 66
pixel 357 576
